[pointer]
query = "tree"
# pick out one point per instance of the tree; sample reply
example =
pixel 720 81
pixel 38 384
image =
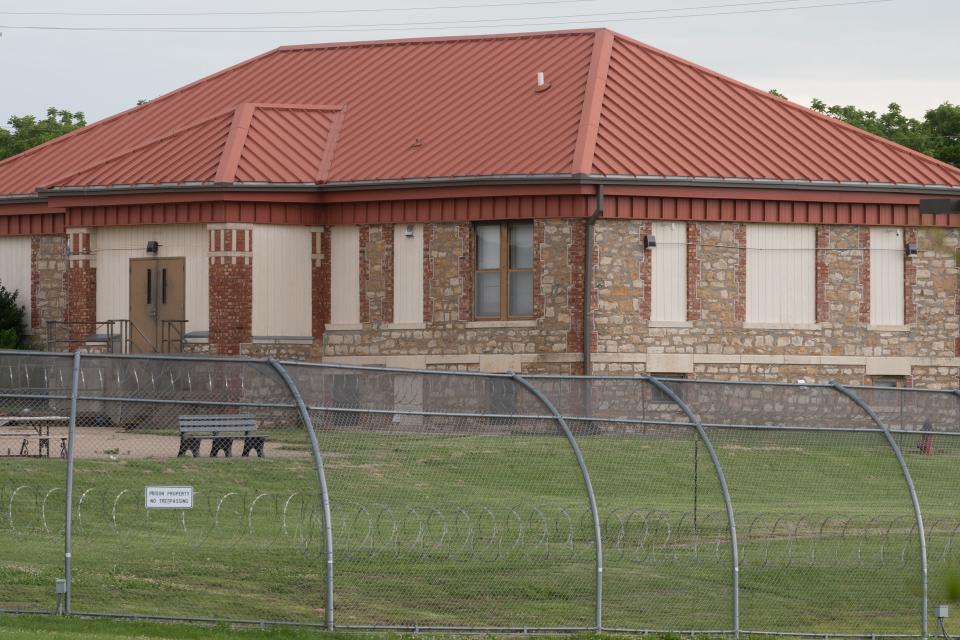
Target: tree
pixel 12 316
pixel 937 135
pixel 27 131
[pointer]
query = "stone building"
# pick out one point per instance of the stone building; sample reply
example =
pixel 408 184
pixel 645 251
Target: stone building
pixel 446 203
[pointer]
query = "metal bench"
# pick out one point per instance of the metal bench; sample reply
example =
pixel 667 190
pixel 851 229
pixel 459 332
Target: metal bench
pixel 221 430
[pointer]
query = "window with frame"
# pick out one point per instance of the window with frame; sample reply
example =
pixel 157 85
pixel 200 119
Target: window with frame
pixel 503 284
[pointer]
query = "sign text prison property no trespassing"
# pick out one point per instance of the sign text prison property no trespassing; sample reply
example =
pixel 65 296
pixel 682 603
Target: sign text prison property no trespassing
pixel 168 497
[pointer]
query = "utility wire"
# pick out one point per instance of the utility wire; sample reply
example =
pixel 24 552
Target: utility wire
pixel 623 16
pixel 96 14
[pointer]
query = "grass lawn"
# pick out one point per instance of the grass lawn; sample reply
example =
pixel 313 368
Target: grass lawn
pixel 49 628
pixel 494 531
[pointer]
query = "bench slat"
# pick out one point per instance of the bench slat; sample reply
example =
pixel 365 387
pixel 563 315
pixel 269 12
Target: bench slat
pixel 224 423
pixel 234 429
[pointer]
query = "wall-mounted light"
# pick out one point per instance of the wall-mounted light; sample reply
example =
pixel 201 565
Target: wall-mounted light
pixel 408 232
pixel 910 249
pixel 153 247
pixel 649 241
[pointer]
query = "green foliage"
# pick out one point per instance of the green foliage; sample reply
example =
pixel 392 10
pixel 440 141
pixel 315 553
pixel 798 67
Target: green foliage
pixel 936 135
pixel 27 131
pixel 12 316
pixel 775 92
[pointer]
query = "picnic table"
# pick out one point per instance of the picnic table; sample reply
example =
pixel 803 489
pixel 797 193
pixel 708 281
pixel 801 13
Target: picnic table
pixel 25 428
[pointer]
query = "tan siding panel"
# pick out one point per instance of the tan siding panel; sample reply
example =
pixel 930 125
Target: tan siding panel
pixel 408 274
pixel 886 276
pixel 281 281
pixel 15 269
pixel 669 272
pixel 115 246
pixel 345 275
pixel 781 273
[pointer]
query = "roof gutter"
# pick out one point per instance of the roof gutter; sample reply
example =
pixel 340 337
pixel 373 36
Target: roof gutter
pixel 541 179
pixel 588 285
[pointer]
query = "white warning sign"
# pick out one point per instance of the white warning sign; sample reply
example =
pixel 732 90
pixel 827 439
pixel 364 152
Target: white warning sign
pixel 168 497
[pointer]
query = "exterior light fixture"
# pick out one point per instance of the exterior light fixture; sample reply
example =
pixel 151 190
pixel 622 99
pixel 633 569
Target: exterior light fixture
pixel 153 247
pixel 408 232
pixel 649 242
pixel 910 249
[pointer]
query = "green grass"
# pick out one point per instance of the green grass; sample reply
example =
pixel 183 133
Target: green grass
pixel 494 531
pixel 27 627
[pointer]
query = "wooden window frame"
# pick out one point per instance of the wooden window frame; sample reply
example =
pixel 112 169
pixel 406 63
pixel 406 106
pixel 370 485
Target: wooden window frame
pixel 504 270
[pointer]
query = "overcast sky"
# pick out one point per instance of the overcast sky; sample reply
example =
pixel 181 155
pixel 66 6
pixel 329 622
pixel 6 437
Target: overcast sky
pixel 868 54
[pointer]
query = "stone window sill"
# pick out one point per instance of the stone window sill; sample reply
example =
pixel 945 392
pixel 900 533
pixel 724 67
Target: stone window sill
pixel 344 327
pixel 502 324
pixel 399 326
pixel 903 328
pixel 670 324
pixel 282 339
pixel 773 326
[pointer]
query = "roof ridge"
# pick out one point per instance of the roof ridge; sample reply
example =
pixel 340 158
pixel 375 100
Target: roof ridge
pixel 96 126
pixel 355 44
pixel 593 97
pixel 793 105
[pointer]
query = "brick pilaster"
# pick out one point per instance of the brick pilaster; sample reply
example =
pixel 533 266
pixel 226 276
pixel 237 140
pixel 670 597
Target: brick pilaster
pixel 364 269
pixel 646 271
pixel 230 255
pixel 909 280
pixel 693 271
pixel 864 274
pixel 388 265
pixel 427 273
pixel 465 268
pixel 822 274
pixel 320 280
pixel 740 274
pixel 81 285
pixel 538 237
pixel 575 288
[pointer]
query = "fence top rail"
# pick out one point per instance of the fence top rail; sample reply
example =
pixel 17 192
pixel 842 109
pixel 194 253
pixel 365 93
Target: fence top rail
pixel 198 358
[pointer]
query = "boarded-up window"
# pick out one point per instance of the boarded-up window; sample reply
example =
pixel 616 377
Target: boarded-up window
pixel 345 275
pixel 781 273
pixel 281 281
pixel 408 273
pixel 15 270
pixel 668 272
pixel 886 276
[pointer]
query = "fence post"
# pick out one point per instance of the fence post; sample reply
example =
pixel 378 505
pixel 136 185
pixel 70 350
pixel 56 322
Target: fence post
pixel 598 622
pixel 68 511
pixel 734 551
pixel 913 495
pixel 321 478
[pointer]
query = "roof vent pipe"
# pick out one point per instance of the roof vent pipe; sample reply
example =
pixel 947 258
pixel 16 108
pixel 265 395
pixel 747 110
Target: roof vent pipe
pixel 542 84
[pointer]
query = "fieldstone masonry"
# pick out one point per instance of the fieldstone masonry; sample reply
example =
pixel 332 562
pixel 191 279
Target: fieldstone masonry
pixel 714 342
pixel 48 270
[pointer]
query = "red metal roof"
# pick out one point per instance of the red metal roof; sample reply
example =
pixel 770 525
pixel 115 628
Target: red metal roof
pixel 251 143
pixel 467 106
pixel 664 116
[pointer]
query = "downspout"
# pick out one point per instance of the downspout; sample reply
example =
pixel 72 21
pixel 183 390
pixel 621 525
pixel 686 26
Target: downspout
pixel 588 283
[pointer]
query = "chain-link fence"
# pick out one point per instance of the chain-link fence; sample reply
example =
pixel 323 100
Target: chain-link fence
pixel 264 491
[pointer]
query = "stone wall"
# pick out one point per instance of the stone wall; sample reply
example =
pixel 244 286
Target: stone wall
pixel 841 346
pixel 449 337
pixel 48 292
